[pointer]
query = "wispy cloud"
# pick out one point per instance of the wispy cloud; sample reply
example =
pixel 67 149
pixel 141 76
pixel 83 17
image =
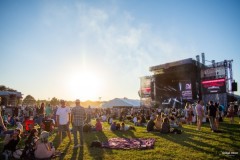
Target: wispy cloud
pixel 112 41
pixel 68 37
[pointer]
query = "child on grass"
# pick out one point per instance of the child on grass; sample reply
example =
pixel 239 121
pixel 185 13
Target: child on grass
pixel 10 143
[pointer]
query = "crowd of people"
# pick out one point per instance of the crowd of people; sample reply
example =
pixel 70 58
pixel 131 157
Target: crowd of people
pixel 37 127
pixel 39 122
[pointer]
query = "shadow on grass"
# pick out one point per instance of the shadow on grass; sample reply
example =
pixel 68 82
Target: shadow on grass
pixel 187 139
pixel 56 144
pixel 80 155
pixel 125 134
pixel 65 151
pixel 74 154
pixel 56 141
pixel 230 128
pixel 96 153
pixel 220 140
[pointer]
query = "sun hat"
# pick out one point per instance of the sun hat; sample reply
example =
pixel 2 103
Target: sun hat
pixel 44 135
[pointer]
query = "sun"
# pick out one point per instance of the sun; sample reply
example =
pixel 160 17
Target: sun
pixel 85 85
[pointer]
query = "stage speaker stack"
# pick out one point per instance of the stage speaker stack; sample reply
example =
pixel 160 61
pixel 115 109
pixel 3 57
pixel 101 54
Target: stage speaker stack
pixel 234 86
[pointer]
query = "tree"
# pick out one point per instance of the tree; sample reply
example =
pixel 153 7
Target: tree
pixel 4 88
pixel 29 100
pixel 54 101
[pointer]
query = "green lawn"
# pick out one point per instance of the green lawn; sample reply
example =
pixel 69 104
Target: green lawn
pixel 191 144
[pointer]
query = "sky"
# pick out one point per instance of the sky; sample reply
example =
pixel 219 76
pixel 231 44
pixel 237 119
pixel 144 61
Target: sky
pixel 98 49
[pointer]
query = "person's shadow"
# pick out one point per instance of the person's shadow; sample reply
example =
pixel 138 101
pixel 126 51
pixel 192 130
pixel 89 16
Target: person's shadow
pixel 80 155
pixel 65 152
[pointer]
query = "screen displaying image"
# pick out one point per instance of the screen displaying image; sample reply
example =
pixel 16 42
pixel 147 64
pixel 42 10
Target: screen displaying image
pixel 214 86
pixel 186 88
pixel 145 89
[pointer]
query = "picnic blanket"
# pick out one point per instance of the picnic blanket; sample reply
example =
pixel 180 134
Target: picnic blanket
pixel 133 143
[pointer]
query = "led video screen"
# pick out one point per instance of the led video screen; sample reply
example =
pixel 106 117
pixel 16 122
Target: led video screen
pixel 214 86
pixel 145 88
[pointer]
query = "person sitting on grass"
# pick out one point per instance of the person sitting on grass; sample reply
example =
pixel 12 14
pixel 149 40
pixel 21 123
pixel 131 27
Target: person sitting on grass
pixel 19 125
pixel 118 126
pixel 30 144
pixel 135 120
pixel 10 143
pixel 44 148
pixel 165 126
pixel 48 124
pixel 142 120
pixel 158 122
pixel 126 127
pixel 113 126
pixel 150 125
pixel 98 125
pixel 173 122
pixel 5 119
pixel 12 121
pixel 104 118
pixel 110 120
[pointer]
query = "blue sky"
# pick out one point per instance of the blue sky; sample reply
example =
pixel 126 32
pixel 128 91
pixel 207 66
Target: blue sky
pixel 91 49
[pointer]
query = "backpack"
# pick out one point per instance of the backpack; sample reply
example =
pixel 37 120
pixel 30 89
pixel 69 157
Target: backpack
pixel 28 151
pixel 17 154
pixel 96 144
pixel 179 131
pixel 176 131
pixel 87 128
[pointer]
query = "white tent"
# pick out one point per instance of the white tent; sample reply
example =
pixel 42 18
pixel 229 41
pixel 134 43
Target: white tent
pixel 121 102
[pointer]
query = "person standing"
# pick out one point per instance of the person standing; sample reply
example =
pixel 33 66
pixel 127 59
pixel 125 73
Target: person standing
pixel 200 114
pixel 230 112
pixel 77 119
pixel 217 116
pixel 40 113
pixel 186 111
pixel 48 110
pixel 190 114
pixel 212 115
pixel 89 115
pixel 63 119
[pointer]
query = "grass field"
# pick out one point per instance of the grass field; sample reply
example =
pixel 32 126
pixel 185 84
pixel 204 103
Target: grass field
pixel 191 144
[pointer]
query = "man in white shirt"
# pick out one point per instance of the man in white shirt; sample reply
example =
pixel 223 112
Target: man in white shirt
pixel 63 120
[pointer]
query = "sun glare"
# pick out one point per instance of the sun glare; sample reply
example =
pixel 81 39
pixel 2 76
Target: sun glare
pixel 85 85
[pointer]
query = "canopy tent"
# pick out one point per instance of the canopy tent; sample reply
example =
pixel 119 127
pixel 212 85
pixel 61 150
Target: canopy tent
pixel 121 102
pixel 10 98
pixel 11 93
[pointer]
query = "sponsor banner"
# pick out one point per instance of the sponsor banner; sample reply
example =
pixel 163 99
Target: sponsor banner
pixel 187 90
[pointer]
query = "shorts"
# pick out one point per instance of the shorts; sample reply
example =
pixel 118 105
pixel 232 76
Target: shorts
pixel 63 128
pixel 199 117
